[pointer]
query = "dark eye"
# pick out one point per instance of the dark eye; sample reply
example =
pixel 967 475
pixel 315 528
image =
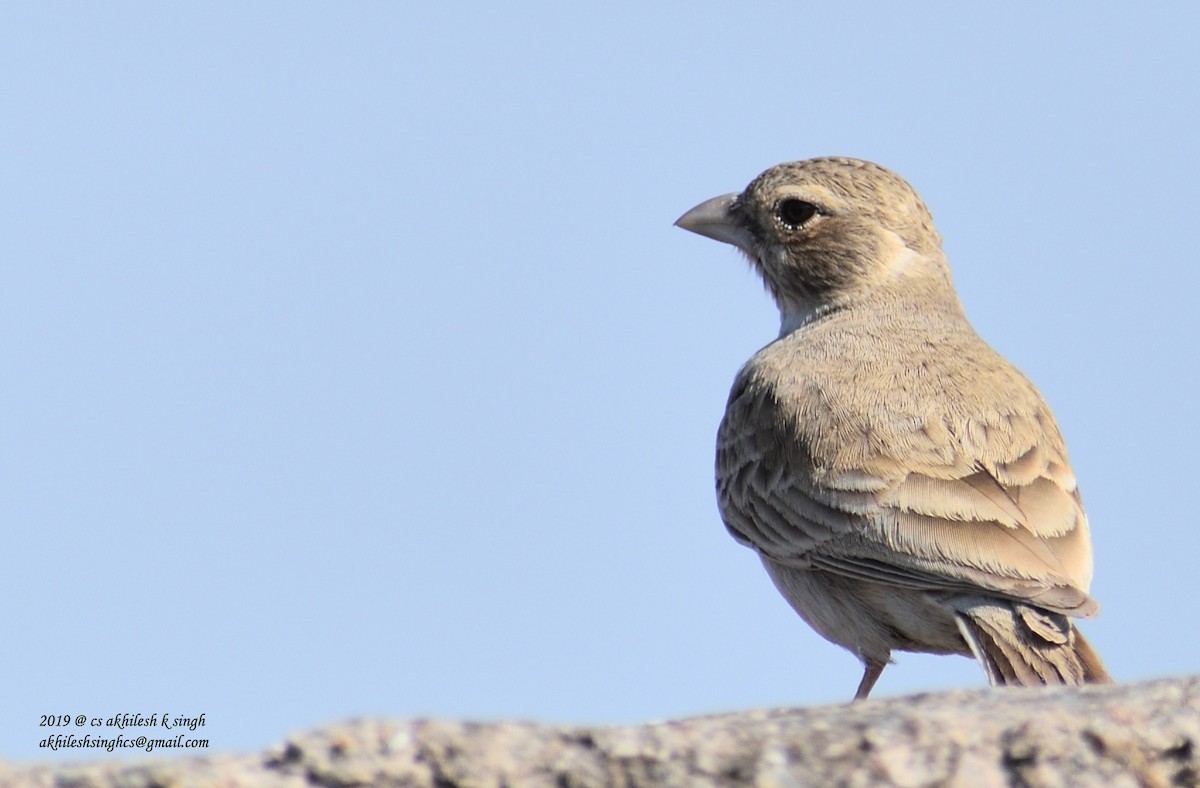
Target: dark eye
pixel 795 213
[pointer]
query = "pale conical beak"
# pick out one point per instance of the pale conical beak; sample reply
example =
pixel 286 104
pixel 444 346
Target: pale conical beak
pixel 713 219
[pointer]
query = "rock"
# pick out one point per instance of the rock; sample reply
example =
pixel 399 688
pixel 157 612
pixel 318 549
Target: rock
pixel 1134 735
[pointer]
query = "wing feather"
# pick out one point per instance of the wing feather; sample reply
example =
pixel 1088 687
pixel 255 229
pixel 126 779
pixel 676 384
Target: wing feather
pixel 974 504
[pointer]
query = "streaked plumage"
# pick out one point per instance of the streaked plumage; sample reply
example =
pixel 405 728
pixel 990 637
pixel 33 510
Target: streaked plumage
pixel 906 488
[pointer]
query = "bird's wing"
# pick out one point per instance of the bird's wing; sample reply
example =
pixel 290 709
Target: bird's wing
pixel 969 504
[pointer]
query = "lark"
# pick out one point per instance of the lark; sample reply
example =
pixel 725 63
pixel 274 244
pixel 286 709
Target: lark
pixel 906 488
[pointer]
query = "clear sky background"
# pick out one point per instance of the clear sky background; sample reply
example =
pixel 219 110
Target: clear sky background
pixel 350 363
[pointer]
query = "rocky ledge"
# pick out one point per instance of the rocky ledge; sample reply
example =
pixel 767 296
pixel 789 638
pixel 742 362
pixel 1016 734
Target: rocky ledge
pixel 1134 735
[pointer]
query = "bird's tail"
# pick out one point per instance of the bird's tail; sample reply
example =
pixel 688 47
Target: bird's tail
pixel 1022 645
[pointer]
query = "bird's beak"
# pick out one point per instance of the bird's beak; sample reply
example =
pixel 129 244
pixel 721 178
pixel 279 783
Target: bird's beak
pixel 714 219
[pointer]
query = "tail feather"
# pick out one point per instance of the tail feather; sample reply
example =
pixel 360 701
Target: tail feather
pixel 1022 645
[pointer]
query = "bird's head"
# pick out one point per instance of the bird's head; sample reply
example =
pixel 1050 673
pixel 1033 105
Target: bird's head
pixel 826 232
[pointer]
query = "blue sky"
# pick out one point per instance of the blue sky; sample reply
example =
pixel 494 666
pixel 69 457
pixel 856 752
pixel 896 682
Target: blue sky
pixel 350 363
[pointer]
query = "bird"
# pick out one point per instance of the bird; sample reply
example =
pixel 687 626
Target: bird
pixel 906 487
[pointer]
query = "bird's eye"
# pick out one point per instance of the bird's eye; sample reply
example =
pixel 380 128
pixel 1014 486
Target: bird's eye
pixel 795 213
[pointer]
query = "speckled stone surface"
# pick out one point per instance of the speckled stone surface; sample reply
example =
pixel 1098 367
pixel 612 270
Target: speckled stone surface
pixel 1134 735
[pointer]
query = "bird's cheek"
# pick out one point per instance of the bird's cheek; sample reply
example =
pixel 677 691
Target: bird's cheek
pixel 775 262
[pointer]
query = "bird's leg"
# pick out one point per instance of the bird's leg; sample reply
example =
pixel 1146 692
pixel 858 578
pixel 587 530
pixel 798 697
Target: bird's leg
pixel 872 670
